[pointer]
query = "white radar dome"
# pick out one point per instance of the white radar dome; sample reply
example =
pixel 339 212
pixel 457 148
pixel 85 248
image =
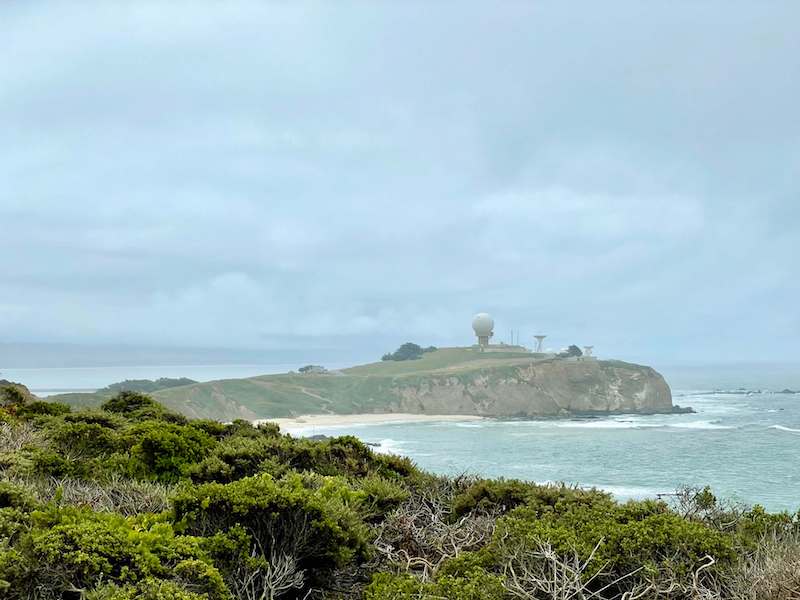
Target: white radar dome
pixel 482 324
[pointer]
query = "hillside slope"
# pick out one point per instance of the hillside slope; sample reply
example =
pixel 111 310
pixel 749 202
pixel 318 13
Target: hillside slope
pixel 448 381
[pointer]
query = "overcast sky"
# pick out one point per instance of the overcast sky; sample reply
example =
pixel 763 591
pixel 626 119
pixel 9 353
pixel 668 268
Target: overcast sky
pixel 255 175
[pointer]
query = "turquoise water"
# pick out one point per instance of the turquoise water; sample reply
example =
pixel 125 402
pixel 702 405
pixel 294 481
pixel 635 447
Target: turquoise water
pixel 747 447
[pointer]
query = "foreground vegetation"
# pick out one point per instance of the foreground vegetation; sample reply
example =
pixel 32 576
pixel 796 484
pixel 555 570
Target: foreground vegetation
pixel 130 500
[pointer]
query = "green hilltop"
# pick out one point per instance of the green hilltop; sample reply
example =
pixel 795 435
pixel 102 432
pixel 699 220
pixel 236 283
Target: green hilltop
pixel 361 389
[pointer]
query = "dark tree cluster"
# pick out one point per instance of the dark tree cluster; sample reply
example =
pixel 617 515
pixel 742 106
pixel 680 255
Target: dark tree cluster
pixel 408 351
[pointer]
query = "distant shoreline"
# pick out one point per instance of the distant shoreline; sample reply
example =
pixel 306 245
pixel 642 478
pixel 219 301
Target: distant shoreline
pixel 305 423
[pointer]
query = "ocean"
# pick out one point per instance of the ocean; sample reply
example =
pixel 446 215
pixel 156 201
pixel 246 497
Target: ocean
pixel 744 443
pixel 745 446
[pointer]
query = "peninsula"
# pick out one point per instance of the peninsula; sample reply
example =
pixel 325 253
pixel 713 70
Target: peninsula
pixel 445 381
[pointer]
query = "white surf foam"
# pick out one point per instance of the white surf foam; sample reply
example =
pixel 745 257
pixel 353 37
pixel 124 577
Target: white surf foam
pixel 626 492
pixel 388 446
pixel 606 424
pixel 701 425
pixel 784 428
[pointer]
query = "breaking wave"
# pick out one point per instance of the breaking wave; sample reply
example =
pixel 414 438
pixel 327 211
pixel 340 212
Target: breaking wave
pixel 784 428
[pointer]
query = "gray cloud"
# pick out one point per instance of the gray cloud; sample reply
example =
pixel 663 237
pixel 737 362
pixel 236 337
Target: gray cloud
pixel 255 174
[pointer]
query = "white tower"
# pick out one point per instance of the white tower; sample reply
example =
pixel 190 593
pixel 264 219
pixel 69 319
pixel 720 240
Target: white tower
pixel 483 326
pixel 587 351
pixel 539 341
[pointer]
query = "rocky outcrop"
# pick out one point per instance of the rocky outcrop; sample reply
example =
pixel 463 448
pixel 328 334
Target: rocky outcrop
pixel 541 388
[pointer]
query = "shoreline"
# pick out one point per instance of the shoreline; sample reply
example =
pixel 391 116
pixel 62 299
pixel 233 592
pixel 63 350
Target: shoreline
pixel 306 423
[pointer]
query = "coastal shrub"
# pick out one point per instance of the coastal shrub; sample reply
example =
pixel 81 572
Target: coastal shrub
pixel 475 585
pixel 236 457
pixel 50 463
pixel 71 549
pixel 129 402
pixel 14 496
pixel 643 537
pixel 381 496
pixel 505 494
pixel 215 429
pixel 346 456
pixel 492 494
pixel 81 439
pixel 164 451
pixel 41 407
pixel 138 406
pixel 749 524
pixel 149 589
pixel 311 518
pixel 93 416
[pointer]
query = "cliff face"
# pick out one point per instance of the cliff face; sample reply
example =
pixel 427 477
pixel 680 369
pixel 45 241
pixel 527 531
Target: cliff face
pixel 545 388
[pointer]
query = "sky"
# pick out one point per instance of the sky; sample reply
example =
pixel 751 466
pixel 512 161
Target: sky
pixel 255 175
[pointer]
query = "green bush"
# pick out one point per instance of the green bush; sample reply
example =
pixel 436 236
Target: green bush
pixel 49 463
pixel 215 429
pixel 130 403
pixel 13 496
pixel 135 405
pixel 85 440
pixel 40 407
pixel 381 495
pixel 164 451
pixel 95 417
pixel 627 537
pixel 236 457
pixel 313 518
pixel 70 548
pixel 475 585
pixel 344 455
pixel 503 495
pixel 149 589
pixel 489 494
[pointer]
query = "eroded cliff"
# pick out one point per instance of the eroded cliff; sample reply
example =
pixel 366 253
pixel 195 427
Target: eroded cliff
pixel 542 388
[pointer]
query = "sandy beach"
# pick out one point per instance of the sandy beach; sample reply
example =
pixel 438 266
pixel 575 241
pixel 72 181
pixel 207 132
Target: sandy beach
pixel 305 424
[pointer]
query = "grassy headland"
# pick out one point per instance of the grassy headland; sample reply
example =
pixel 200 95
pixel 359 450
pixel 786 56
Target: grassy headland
pixel 444 381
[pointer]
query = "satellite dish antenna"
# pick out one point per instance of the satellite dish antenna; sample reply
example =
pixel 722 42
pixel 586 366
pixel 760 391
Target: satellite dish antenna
pixel 539 341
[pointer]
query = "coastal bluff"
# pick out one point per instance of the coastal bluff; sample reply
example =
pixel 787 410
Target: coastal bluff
pixel 448 381
pixel 540 389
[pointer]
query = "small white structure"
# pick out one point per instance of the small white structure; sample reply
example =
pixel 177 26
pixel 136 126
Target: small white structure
pixel 587 351
pixel 483 326
pixel 539 342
